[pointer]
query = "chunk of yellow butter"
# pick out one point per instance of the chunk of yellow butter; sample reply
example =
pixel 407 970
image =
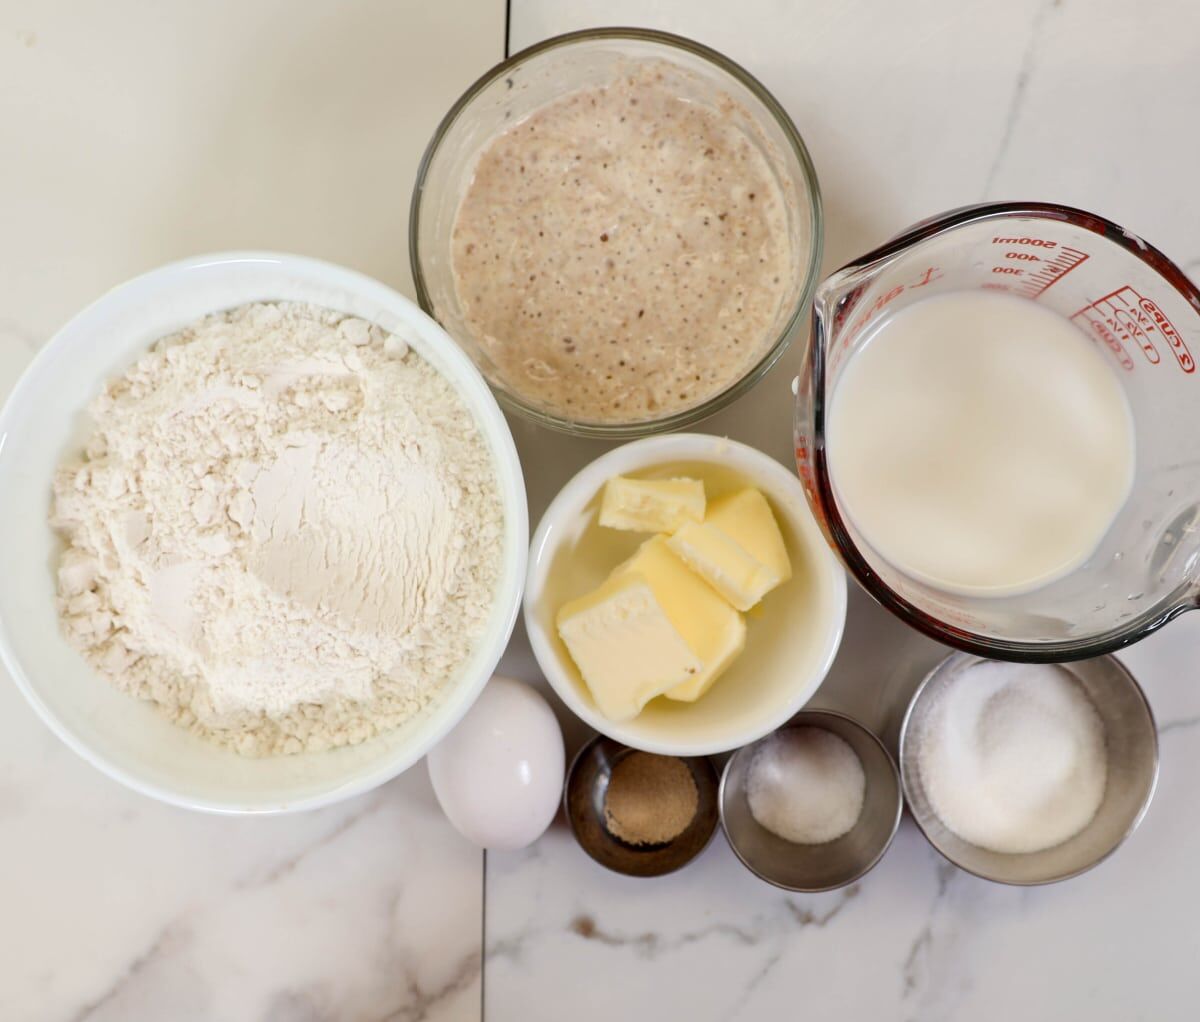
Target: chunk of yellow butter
pixel 651 505
pixel 723 564
pixel 625 646
pixel 713 629
pixel 738 549
pixel 652 627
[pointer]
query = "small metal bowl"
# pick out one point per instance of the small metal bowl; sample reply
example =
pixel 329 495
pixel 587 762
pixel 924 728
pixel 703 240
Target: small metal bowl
pixel 583 800
pixel 813 868
pixel 1132 743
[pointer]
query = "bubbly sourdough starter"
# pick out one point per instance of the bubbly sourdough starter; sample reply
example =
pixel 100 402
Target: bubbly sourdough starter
pixel 622 253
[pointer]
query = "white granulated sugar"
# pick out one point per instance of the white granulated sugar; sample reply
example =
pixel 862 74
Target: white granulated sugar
pixel 1012 756
pixel 285 530
pixel 806 785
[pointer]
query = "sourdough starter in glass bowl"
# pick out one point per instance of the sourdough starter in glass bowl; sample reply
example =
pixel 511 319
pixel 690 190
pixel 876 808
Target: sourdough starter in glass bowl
pixel 621 227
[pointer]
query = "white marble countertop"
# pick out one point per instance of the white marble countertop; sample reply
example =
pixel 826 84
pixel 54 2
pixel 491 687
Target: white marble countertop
pixel 131 135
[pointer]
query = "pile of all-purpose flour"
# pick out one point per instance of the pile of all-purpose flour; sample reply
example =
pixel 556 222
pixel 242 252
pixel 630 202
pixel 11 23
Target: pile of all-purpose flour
pixel 285 530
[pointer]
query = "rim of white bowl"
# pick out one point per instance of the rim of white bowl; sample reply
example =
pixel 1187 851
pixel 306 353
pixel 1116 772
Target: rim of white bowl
pixel 640 454
pixel 467 380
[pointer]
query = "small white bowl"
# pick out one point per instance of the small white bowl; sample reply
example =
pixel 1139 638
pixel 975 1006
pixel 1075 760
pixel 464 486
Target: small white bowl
pixel 793 634
pixel 126 738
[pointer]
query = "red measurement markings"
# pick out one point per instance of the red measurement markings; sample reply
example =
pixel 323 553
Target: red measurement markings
pixel 1125 320
pixel 1039 262
pixel 927 277
pixel 1109 338
pixel 1050 271
pixel 1167 329
pixel 804 470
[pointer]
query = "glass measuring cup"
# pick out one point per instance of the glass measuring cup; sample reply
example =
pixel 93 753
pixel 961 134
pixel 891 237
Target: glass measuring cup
pixel 1145 314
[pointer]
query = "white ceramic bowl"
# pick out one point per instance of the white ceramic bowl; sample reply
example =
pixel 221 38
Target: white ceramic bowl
pixel 793 634
pixel 42 421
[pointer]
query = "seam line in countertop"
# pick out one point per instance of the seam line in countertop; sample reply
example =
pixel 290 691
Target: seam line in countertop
pixel 483 939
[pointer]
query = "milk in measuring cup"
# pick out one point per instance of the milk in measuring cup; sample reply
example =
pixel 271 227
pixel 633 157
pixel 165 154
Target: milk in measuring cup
pixel 980 443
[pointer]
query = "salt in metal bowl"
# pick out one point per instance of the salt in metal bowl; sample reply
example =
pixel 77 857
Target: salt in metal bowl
pixel 824 867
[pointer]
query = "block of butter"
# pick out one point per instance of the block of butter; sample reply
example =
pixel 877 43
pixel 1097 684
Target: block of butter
pixel 738 548
pixel 651 505
pixel 653 627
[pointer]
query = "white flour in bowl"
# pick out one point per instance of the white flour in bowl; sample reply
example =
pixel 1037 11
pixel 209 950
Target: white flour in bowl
pixel 285 530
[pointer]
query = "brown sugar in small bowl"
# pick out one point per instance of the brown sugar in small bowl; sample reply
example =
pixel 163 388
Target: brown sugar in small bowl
pixel 637 813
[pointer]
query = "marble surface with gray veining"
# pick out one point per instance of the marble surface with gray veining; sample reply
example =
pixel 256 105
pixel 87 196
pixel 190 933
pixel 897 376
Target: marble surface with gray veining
pixel 908 109
pixel 128 140
pixel 132 135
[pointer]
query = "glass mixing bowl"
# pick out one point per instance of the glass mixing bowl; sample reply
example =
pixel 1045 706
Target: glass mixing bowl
pixel 530 80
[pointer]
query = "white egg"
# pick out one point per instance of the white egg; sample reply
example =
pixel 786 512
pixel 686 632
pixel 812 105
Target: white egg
pixel 498 775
